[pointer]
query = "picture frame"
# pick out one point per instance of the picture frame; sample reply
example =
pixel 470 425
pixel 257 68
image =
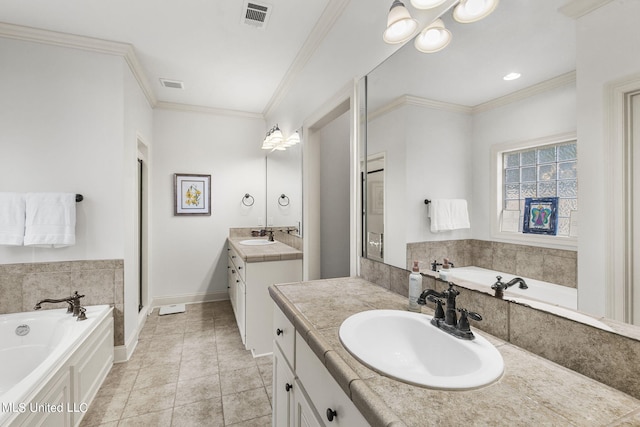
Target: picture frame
pixel 192 194
pixel 540 215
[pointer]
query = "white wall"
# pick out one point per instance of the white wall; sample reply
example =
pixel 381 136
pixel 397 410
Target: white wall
pixel 608 46
pixel 548 113
pixel 188 255
pixel 334 198
pixel 61 128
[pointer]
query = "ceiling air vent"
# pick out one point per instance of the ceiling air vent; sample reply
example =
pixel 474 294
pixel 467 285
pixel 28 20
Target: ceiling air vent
pixel 172 84
pixel 256 14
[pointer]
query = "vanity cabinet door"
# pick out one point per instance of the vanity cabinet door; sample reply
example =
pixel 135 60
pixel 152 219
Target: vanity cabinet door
pixel 284 335
pixel 329 400
pixel 241 310
pixel 303 413
pixel 283 384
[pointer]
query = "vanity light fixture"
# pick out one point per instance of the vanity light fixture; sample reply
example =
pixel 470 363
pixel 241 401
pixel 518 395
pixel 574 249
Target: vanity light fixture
pixel 400 25
pixel 468 11
pixel 434 37
pixel 511 76
pixel 275 140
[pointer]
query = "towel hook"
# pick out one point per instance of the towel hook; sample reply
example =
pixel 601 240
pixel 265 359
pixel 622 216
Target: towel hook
pixel 245 200
pixel 427 201
pixel 79 198
pixel 283 200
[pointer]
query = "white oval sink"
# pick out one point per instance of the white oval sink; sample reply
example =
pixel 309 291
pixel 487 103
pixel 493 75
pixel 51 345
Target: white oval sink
pixel 406 346
pixel 256 242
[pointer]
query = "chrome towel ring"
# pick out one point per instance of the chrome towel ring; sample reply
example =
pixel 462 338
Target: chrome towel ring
pixel 245 200
pixel 283 200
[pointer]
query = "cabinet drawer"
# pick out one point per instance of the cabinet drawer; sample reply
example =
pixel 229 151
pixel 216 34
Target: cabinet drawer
pixel 284 335
pixel 238 262
pixel 324 392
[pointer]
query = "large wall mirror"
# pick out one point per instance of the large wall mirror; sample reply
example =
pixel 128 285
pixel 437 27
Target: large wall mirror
pixel 284 189
pixel 433 120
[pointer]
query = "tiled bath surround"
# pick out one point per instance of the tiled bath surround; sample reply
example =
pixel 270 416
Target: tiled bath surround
pixel 607 357
pixel 101 281
pixel 550 265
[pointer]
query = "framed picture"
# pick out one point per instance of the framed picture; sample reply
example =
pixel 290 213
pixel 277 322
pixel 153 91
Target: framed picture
pixel 540 215
pixel 192 194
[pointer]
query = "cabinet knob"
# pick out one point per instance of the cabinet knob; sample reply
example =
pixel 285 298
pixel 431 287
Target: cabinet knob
pixel 331 414
pixel 239 268
pixel 279 331
pixel 288 387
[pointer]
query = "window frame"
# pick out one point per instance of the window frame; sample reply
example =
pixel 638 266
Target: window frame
pixel 497 194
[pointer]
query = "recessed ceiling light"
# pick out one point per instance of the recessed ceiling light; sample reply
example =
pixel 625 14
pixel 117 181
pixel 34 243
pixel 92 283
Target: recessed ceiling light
pixel 511 76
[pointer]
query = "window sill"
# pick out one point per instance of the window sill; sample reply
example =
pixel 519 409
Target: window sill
pixel 555 242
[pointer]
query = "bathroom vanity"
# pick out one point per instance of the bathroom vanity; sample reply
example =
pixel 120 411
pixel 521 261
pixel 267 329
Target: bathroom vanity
pixel 251 270
pixel 315 377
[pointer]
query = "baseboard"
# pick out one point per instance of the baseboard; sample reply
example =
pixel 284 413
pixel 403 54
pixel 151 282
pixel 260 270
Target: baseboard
pixel 123 353
pixel 189 298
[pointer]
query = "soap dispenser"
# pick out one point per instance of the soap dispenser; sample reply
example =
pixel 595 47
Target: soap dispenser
pixel 445 270
pixel 415 287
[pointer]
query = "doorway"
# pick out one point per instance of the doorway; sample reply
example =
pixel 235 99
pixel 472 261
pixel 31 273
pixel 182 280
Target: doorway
pixel 142 214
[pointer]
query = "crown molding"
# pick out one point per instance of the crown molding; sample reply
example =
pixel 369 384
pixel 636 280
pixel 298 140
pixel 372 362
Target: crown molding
pixel 125 50
pixel 416 101
pixel 577 8
pixel 207 110
pixel 329 16
pixel 559 81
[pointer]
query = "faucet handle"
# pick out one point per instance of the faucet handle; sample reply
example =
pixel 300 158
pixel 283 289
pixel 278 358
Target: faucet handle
pixel 439 314
pixel 499 283
pixel 463 322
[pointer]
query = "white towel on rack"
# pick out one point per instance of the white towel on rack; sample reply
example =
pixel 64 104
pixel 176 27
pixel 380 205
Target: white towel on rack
pixel 50 219
pixel 12 216
pixel 449 214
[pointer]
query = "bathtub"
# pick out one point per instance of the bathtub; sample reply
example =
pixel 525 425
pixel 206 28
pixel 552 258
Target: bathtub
pixel 557 299
pixel 51 365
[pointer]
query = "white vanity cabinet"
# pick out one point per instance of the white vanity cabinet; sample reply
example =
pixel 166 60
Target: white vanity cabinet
pixel 313 398
pixel 248 284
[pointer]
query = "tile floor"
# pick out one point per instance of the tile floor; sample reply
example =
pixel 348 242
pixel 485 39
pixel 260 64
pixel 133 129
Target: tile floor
pixel 189 369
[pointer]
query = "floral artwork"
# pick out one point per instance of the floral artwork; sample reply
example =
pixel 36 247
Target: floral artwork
pixel 192 194
pixel 540 215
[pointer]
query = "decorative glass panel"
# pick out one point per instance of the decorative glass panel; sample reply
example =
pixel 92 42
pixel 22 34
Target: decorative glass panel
pixel 528 158
pixel 528 174
pixel 567 170
pixel 567 152
pixel 512 175
pixel 528 190
pixel 547 172
pixel 565 206
pixel 546 189
pixel 563 226
pixel 568 188
pixel 512 191
pixel 547 155
pixel 512 160
pixel 512 205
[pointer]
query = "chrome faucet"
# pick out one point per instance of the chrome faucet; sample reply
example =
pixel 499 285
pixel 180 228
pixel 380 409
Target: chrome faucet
pixel 448 321
pixel 500 286
pixel 74 305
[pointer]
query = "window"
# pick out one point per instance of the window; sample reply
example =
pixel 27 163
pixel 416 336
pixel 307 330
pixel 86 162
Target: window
pixel 542 168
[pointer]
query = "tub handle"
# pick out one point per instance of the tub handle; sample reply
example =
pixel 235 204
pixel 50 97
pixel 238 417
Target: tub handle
pixel 82 314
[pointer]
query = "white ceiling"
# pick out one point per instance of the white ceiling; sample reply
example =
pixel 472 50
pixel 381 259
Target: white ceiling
pixel 228 65
pixel 223 62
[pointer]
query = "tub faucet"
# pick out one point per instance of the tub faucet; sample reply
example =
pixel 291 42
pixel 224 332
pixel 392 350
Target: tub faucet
pixel 500 286
pixel 447 320
pixel 74 305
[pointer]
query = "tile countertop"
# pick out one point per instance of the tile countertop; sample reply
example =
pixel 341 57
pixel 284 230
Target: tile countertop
pixel 532 390
pixel 275 252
